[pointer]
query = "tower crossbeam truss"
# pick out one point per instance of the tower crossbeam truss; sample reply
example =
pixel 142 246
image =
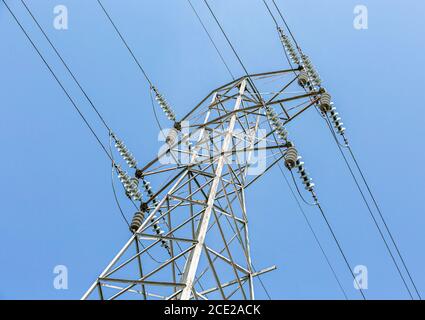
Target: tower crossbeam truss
pixel 203 249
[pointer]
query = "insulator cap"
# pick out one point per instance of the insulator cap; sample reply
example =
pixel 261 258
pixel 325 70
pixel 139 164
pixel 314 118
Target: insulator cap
pixel 303 79
pixel 325 102
pixel 178 126
pixel 138 174
pixel 291 156
pixel 137 221
pixel 171 137
pixel 144 207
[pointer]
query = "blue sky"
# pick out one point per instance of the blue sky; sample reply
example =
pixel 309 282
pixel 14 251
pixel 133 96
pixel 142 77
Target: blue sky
pixel 56 202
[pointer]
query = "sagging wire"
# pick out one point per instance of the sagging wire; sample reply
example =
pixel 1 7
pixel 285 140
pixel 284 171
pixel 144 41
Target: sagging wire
pixel 292 162
pixel 162 102
pixel 118 203
pixel 310 75
pixel 383 220
pixel 125 43
pixel 299 192
pixel 311 227
pixel 340 148
pixel 66 65
pixel 158 96
pixel 212 40
pixel 329 113
pixel 57 80
pixel 131 186
pixel 282 37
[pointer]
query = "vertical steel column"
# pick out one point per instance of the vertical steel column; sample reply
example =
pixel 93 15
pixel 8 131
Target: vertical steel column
pixel 193 260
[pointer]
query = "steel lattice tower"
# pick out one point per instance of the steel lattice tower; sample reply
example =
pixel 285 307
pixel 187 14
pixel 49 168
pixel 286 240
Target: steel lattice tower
pixel 192 238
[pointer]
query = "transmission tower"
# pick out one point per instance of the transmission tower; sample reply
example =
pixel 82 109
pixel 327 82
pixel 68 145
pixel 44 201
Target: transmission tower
pixel 190 237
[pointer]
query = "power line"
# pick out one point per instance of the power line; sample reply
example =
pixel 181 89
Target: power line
pixel 307 220
pixel 383 220
pixel 256 91
pixel 277 27
pixel 227 38
pixel 141 69
pixel 271 14
pixel 58 81
pixel 318 204
pixel 373 217
pixel 66 66
pixel 339 247
pixel 287 26
pixel 299 192
pixel 362 175
pixel 125 43
pixel 152 87
pixel 104 148
pixel 211 39
pixel 98 113
pixel 313 232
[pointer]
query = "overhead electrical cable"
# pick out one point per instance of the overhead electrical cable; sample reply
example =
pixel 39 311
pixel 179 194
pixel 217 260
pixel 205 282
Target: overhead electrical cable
pixel 98 113
pixel 287 26
pixel 125 43
pixel 227 38
pixel 277 27
pixel 110 155
pixel 114 165
pixel 152 87
pixel 357 184
pixel 58 81
pixel 340 248
pixel 383 220
pixel 271 14
pixel 165 106
pixel 66 66
pixel 371 214
pixel 374 220
pixel 307 220
pixel 211 39
pixel 314 234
